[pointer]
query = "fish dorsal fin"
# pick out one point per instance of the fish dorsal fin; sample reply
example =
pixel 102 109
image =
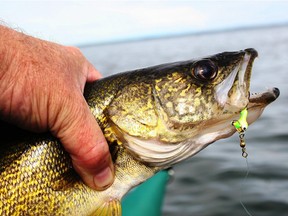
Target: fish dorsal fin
pixel 109 208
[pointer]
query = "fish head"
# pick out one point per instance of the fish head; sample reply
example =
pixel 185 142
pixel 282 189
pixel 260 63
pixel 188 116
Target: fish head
pixel 192 104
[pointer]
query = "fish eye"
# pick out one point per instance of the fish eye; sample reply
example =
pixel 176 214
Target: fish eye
pixel 205 70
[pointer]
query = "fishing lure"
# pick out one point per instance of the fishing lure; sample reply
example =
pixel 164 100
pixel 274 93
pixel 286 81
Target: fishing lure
pixel 241 125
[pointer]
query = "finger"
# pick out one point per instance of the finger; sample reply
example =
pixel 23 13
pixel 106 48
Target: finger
pixel 83 139
pixel 92 73
pixel 89 71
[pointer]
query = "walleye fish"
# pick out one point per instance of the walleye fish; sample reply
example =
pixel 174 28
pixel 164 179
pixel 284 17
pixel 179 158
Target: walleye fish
pixel 152 119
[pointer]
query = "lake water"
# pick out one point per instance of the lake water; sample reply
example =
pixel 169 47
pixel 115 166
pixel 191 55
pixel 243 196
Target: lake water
pixel 213 182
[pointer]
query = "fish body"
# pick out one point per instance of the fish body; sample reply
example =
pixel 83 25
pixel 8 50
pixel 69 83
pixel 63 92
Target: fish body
pixel 152 118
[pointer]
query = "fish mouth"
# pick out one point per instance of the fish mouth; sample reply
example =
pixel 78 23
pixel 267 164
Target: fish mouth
pixel 237 85
pixel 233 92
pixel 241 98
pixel 255 102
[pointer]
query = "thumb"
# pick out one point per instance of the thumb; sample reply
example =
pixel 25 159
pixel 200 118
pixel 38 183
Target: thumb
pixel 82 137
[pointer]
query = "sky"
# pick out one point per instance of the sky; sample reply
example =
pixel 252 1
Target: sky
pixel 89 22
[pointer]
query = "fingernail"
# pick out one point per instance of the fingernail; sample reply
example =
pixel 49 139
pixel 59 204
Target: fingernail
pixel 104 179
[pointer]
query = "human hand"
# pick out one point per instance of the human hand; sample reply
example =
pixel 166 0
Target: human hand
pixel 41 85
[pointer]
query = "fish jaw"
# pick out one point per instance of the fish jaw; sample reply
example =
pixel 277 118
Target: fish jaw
pixel 258 102
pixel 233 92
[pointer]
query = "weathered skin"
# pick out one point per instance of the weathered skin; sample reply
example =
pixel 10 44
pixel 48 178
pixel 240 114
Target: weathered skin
pixel 152 119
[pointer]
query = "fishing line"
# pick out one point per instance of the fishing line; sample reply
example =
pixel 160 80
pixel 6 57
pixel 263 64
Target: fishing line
pixel 241 126
pixel 242 187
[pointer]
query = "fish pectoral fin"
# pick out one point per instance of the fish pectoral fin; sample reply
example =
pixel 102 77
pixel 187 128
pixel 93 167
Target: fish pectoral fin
pixel 109 208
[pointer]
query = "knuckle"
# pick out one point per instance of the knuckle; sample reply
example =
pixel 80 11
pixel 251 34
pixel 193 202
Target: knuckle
pixel 93 157
pixel 75 50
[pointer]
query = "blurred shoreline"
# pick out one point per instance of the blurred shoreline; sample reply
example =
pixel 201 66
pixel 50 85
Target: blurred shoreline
pixel 148 37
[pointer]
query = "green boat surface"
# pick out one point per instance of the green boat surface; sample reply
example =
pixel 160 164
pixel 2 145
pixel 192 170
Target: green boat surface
pixel 147 198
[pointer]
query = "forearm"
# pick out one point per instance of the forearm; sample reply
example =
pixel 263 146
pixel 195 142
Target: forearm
pixel 9 52
pixel 34 73
pixel 14 56
pixel 19 73
pixel 19 51
pixel 7 49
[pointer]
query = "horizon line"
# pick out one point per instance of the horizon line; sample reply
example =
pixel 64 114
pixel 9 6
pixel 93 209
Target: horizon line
pixel 178 35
